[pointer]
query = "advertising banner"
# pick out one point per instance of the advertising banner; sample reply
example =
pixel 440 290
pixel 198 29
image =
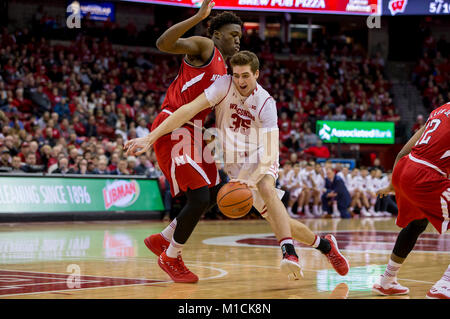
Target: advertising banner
pixel 416 7
pixel 98 11
pixel 51 194
pixel 355 132
pixel 350 7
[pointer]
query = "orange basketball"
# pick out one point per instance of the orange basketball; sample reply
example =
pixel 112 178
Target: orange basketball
pixel 235 200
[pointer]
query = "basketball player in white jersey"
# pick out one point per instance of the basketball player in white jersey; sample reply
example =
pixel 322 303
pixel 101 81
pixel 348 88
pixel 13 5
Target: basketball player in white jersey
pixel 243 107
pixel 295 186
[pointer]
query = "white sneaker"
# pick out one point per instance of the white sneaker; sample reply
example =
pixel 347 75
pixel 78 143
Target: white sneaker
pixel 316 211
pixel 440 290
pixel 390 289
pixel 291 266
pixel 308 214
pixel 386 214
pixel 365 213
pixel 336 214
pixel 377 214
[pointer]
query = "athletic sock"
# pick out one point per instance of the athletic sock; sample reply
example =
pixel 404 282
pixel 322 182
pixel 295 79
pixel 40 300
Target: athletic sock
pixel 390 274
pixel 167 233
pixel 321 244
pixel 174 249
pixel 287 246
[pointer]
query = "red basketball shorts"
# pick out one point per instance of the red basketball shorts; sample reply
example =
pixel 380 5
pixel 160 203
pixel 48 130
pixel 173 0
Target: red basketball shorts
pixel 185 160
pixel 421 192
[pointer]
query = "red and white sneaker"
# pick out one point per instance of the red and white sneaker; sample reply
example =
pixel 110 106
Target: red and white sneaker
pixel 176 269
pixel 439 291
pixel 156 243
pixel 290 266
pixel 336 259
pixel 391 289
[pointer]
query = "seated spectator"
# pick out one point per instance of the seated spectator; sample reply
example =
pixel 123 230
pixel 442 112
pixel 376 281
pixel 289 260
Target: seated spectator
pixel 102 167
pixel 122 168
pixel 30 164
pixel 418 124
pixel 63 167
pixel 142 130
pixel 141 169
pixel 82 167
pixel 16 165
pixel 41 100
pixel 132 163
pixel 336 199
pixel 5 158
pixel 310 137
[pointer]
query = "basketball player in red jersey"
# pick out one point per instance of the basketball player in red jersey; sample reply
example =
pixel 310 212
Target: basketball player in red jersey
pixel 204 61
pixel 421 184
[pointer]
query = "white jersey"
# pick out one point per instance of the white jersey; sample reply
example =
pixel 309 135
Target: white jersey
pixel 306 177
pixel 319 181
pixel 241 120
pixel 384 182
pixel 365 184
pixel 345 177
pixel 354 183
pixel 375 184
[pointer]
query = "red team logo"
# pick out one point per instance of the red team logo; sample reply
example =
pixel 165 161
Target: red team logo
pixel 397 6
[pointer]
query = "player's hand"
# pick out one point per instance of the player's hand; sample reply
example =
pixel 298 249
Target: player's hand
pixel 386 191
pixel 137 146
pixel 205 9
pixel 245 182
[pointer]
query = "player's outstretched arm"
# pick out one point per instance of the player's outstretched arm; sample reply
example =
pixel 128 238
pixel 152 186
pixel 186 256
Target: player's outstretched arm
pixel 182 115
pixel 171 42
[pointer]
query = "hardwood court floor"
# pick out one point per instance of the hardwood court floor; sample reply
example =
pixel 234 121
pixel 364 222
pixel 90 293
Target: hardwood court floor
pixel 234 259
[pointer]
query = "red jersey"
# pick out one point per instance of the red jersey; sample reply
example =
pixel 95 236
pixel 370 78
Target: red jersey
pixel 191 81
pixel 434 144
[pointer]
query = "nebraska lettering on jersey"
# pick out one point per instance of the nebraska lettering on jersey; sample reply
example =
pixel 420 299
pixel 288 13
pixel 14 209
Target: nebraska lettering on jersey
pixel 191 81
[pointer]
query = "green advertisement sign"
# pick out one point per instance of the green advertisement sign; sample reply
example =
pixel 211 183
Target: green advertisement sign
pixel 355 132
pixel 48 194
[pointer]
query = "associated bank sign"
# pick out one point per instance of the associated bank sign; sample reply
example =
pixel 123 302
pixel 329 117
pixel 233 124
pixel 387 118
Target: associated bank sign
pixel 356 132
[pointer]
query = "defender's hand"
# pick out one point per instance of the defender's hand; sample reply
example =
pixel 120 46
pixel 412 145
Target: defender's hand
pixel 137 146
pixel 205 9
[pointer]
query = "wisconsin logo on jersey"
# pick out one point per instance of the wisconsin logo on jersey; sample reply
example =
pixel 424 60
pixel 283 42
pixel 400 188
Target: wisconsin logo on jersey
pixel 397 6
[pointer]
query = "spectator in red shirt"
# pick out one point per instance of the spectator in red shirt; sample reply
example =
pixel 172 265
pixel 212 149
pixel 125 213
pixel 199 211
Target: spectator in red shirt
pixel 318 151
pixel 22 104
pixel 79 127
pixel 24 150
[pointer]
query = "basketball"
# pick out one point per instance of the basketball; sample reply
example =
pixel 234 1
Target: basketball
pixel 235 200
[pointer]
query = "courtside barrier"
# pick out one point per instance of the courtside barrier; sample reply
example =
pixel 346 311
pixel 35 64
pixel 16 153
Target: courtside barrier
pixel 35 197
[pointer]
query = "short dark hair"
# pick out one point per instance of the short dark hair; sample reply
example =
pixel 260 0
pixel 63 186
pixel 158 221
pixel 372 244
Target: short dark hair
pixel 245 58
pixel 221 19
